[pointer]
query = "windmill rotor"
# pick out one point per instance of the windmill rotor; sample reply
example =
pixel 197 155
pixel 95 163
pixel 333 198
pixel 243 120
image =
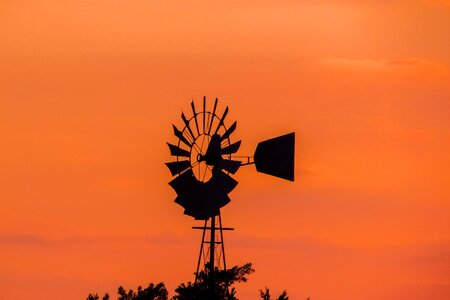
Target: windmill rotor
pixel 203 164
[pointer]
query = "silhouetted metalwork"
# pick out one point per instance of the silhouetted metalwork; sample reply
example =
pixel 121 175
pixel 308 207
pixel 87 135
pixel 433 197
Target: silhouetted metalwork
pixel 276 156
pixel 205 160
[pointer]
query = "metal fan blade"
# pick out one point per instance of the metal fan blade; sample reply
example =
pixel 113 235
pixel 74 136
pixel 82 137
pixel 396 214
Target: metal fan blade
pixel 204 113
pixel 190 212
pixel 225 113
pixel 209 199
pixel 193 196
pixel 204 218
pixel 224 181
pixel 177 151
pixel 176 167
pixel 207 210
pixel 184 185
pixel 212 116
pixel 233 148
pixel 229 131
pixel 222 201
pixel 200 205
pixel 195 209
pixel 180 135
pixel 201 211
pixel 180 201
pixel 186 122
pixel 202 200
pixel 201 214
pixel 229 165
pixel 195 117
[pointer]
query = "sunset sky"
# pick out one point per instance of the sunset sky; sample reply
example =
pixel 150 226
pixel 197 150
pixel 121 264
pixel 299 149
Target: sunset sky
pixel 88 94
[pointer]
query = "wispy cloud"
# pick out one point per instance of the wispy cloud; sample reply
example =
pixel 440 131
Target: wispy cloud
pixel 31 239
pixel 34 239
pixel 22 239
pixel 440 2
pixel 373 64
pixel 297 243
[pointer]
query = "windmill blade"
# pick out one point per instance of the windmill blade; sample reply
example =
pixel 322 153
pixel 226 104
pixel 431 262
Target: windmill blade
pixel 201 214
pixel 209 199
pixel 229 131
pixel 225 113
pixel 212 116
pixel 184 185
pixel 203 200
pixel 204 211
pixel 177 151
pixel 176 167
pixel 195 117
pixel 201 210
pixel 180 135
pixel 180 201
pixel 204 113
pixel 222 201
pixel 196 198
pixel 205 217
pixel 229 165
pixel 197 209
pixel 186 122
pixel 233 148
pixel 224 181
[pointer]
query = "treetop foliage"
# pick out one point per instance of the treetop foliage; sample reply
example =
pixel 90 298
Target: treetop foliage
pixel 216 285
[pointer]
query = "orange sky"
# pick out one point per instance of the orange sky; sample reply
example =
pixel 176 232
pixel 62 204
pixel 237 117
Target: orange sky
pixel 88 93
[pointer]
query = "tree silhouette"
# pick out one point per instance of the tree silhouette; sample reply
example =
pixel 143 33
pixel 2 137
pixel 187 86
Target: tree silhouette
pixel 152 292
pixel 96 297
pixel 216 285
pixel 266 295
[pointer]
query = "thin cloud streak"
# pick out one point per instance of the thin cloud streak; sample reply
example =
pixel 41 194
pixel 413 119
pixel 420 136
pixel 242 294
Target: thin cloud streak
pixel 36 240
pixel 380 64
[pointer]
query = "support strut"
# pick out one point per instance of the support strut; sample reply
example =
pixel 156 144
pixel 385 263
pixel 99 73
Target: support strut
pixel 210 248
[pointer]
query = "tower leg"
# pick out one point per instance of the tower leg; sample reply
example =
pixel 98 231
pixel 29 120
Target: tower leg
pixel 201 250
pixel 222 242
pixel 212 258
pixel 212 245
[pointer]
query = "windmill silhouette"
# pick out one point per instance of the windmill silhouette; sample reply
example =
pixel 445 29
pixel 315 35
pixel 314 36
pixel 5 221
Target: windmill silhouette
pixel 204 163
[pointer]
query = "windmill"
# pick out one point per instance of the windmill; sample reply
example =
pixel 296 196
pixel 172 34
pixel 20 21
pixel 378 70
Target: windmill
pixel 204 163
